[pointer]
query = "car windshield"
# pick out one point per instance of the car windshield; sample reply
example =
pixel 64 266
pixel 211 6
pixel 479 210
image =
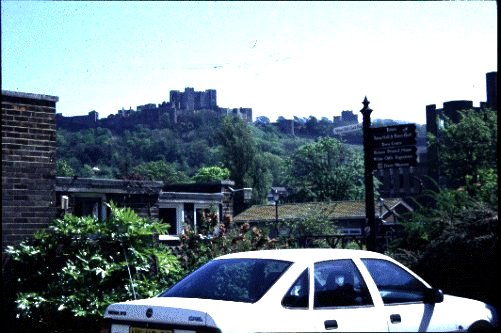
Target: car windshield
pixel 239 280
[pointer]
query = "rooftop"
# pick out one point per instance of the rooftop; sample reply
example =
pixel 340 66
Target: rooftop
pixel 332 210
pixel 18 94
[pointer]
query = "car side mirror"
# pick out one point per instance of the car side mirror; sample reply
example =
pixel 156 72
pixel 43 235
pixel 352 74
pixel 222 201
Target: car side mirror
pixel 433 295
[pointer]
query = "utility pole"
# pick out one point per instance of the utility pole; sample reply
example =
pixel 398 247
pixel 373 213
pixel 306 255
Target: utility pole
pixel 370 230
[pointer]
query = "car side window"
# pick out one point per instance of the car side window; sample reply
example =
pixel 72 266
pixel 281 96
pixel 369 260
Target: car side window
pixel 297 295
pixel 339 283
pixel 395 284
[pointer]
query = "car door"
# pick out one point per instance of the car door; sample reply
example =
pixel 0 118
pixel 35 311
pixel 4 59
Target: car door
pixel 408 302
pixel 295 313
pixel 342 301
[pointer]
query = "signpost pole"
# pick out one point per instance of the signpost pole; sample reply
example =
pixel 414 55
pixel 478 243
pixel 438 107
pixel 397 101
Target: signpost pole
pixel 370 230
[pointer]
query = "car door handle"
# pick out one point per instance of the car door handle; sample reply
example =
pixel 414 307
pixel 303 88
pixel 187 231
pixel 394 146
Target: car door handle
pixel 330 324
pixel 395 318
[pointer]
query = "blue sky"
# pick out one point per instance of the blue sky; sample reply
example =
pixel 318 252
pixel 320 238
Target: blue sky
pixel 279 58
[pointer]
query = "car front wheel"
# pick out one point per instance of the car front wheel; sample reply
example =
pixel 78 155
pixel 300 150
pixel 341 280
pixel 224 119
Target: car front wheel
pixel 480 326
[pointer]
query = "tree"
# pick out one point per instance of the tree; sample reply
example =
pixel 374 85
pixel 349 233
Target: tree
pixel 239 150
pixel 211 174
pixel 467 147
pixel 68 274
pixel 63 169
pixel 325 170
pixel 262 120
pixel 316 222
pixel 161 171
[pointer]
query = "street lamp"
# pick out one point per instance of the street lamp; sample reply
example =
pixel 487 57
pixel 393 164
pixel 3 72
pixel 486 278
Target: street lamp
pixel 276 197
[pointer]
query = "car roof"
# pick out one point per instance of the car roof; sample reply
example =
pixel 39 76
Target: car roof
pixel 304 255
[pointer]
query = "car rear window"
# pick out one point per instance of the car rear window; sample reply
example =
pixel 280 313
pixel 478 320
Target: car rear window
pixel 238 280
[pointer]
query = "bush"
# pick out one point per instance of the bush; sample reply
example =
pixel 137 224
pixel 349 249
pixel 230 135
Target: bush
pixel 68 274
pixel 453 245
pixel 214 239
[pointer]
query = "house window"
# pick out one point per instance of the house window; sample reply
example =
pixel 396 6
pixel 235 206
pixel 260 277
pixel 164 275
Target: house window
pixel 90 206
pixel 169 216
pixel 174 216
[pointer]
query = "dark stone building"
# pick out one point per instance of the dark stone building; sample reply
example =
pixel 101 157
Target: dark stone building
pixel 181 104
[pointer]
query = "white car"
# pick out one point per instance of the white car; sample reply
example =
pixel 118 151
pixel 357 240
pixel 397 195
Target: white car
pixel 309 290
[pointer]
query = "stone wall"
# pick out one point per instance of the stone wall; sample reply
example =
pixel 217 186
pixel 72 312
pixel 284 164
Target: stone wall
pixel 28 164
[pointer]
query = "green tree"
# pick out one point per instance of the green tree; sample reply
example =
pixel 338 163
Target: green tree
pixel 467 147
pixel 241 156
pixel 63 169
pixel 316 222
pixel 239 149
pixel 68 274
pixel 160 171
pixel 325 170
pixel 211 174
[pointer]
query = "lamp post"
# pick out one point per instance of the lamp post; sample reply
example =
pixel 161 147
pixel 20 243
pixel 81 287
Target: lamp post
pixel 370 228
pixel 276 197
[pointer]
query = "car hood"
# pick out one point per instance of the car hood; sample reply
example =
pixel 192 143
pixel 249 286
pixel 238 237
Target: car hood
pixel 470 310
pixel 176 311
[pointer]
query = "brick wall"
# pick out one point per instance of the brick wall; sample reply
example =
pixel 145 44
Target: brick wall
pixel 28 164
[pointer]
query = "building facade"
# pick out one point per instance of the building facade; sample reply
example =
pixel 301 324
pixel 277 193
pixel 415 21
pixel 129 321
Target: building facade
pixel 28 164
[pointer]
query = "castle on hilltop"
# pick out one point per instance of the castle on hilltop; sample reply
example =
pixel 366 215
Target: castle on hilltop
pixel 180 104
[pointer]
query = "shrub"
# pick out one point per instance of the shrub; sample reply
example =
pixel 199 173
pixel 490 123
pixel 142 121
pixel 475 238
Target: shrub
pixel 68 274
pixel 214 239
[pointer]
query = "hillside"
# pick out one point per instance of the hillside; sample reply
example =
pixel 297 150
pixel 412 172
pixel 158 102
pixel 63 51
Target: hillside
pixel 186 146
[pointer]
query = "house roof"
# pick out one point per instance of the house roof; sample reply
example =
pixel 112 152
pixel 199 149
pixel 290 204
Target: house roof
pixel 332 210
pixel 104 185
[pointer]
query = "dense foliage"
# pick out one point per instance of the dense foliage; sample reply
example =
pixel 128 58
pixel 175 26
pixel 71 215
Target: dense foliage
pixel 453 244
pixel 211 174
pixel 214 239
pixel 467 148
pixel 452 237
pixel 201 146
pixel 326 170
pixel 68 274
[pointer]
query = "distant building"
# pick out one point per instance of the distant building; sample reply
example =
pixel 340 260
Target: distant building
pixel 78 122
pixel 180 103
pixel 190 99
pixel 346 118
pixel 492 90
pixel 244 113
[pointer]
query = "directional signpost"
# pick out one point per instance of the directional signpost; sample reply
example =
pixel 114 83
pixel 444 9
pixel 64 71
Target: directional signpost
pixel 394 146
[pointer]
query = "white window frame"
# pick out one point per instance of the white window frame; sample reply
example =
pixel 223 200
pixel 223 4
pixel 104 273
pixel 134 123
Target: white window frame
pixel 179 207
pixel 100 196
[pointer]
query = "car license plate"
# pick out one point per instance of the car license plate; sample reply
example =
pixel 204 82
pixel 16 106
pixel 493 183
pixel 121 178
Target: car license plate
pixel 147 330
